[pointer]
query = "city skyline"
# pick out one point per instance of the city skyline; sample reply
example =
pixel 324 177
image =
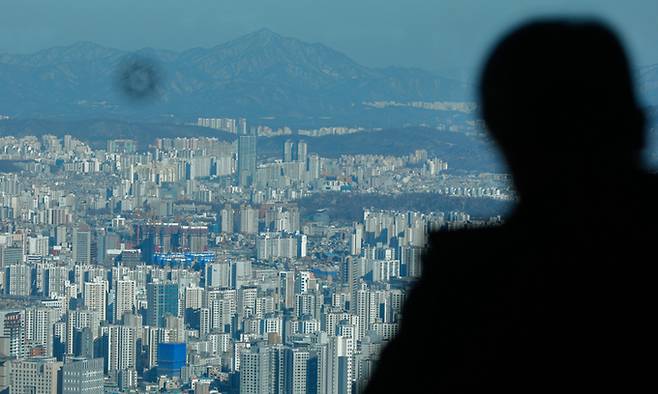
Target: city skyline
pixel 194 262
pixel 259 204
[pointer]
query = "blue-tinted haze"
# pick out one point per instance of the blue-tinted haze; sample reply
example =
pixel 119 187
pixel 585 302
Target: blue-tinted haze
pixel 448 36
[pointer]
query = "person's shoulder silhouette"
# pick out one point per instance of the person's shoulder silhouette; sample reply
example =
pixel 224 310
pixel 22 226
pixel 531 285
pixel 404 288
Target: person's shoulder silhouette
pixel 559 296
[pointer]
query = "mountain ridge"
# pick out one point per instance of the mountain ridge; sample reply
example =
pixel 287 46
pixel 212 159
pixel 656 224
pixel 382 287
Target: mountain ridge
pixel 258 74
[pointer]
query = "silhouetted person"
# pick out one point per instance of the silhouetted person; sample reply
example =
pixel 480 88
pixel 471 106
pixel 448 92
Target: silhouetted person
pixel 560 297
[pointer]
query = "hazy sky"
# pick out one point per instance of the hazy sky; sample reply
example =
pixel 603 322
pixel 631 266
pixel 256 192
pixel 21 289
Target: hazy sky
pixel 440 35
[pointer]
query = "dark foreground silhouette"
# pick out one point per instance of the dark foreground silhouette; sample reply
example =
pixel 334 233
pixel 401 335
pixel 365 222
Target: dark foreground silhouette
pixel 561 297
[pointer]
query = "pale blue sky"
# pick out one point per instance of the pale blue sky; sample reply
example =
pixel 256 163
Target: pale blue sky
pixel 440 35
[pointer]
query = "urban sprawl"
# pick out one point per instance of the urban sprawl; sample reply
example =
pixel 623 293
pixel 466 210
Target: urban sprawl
pixel 190 265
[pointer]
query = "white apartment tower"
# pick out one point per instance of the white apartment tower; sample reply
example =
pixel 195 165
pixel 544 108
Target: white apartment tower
pixel 124 298
pixel 95 297
pixel 121 352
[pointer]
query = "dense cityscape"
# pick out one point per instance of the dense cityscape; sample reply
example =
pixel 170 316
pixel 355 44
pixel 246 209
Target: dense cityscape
pixel 230 197
pixel 189 265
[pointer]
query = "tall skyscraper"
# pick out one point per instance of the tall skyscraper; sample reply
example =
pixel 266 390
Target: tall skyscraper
pixel 366 308
pixel 162 300
pixel 204 322
pixel 354 273
pixel 68 333
pixel 82 245
pixel 246 157
pixel 287 289
pixel 356 240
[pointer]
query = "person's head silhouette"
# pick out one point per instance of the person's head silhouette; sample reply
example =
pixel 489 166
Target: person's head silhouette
pixel 558 98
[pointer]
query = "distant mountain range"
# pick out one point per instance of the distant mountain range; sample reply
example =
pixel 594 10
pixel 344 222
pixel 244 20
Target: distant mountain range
pixel 258 75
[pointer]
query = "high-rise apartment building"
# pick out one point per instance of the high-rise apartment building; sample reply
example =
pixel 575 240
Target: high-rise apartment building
pixel 246 157
pixel 18 280
pixel 14 330
pixel 296 370
pixel 288 147
pixel 287 289
pixel 39 329
pixel 38 246
pixel 218 275
pixel 302 152
pixel 121 348
pixel 254 378
pixel 10 255
pixel 226 219
pixel 162 300
pixel 124 298
pixel 248 220
pixel 95 297
pixel 82 245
